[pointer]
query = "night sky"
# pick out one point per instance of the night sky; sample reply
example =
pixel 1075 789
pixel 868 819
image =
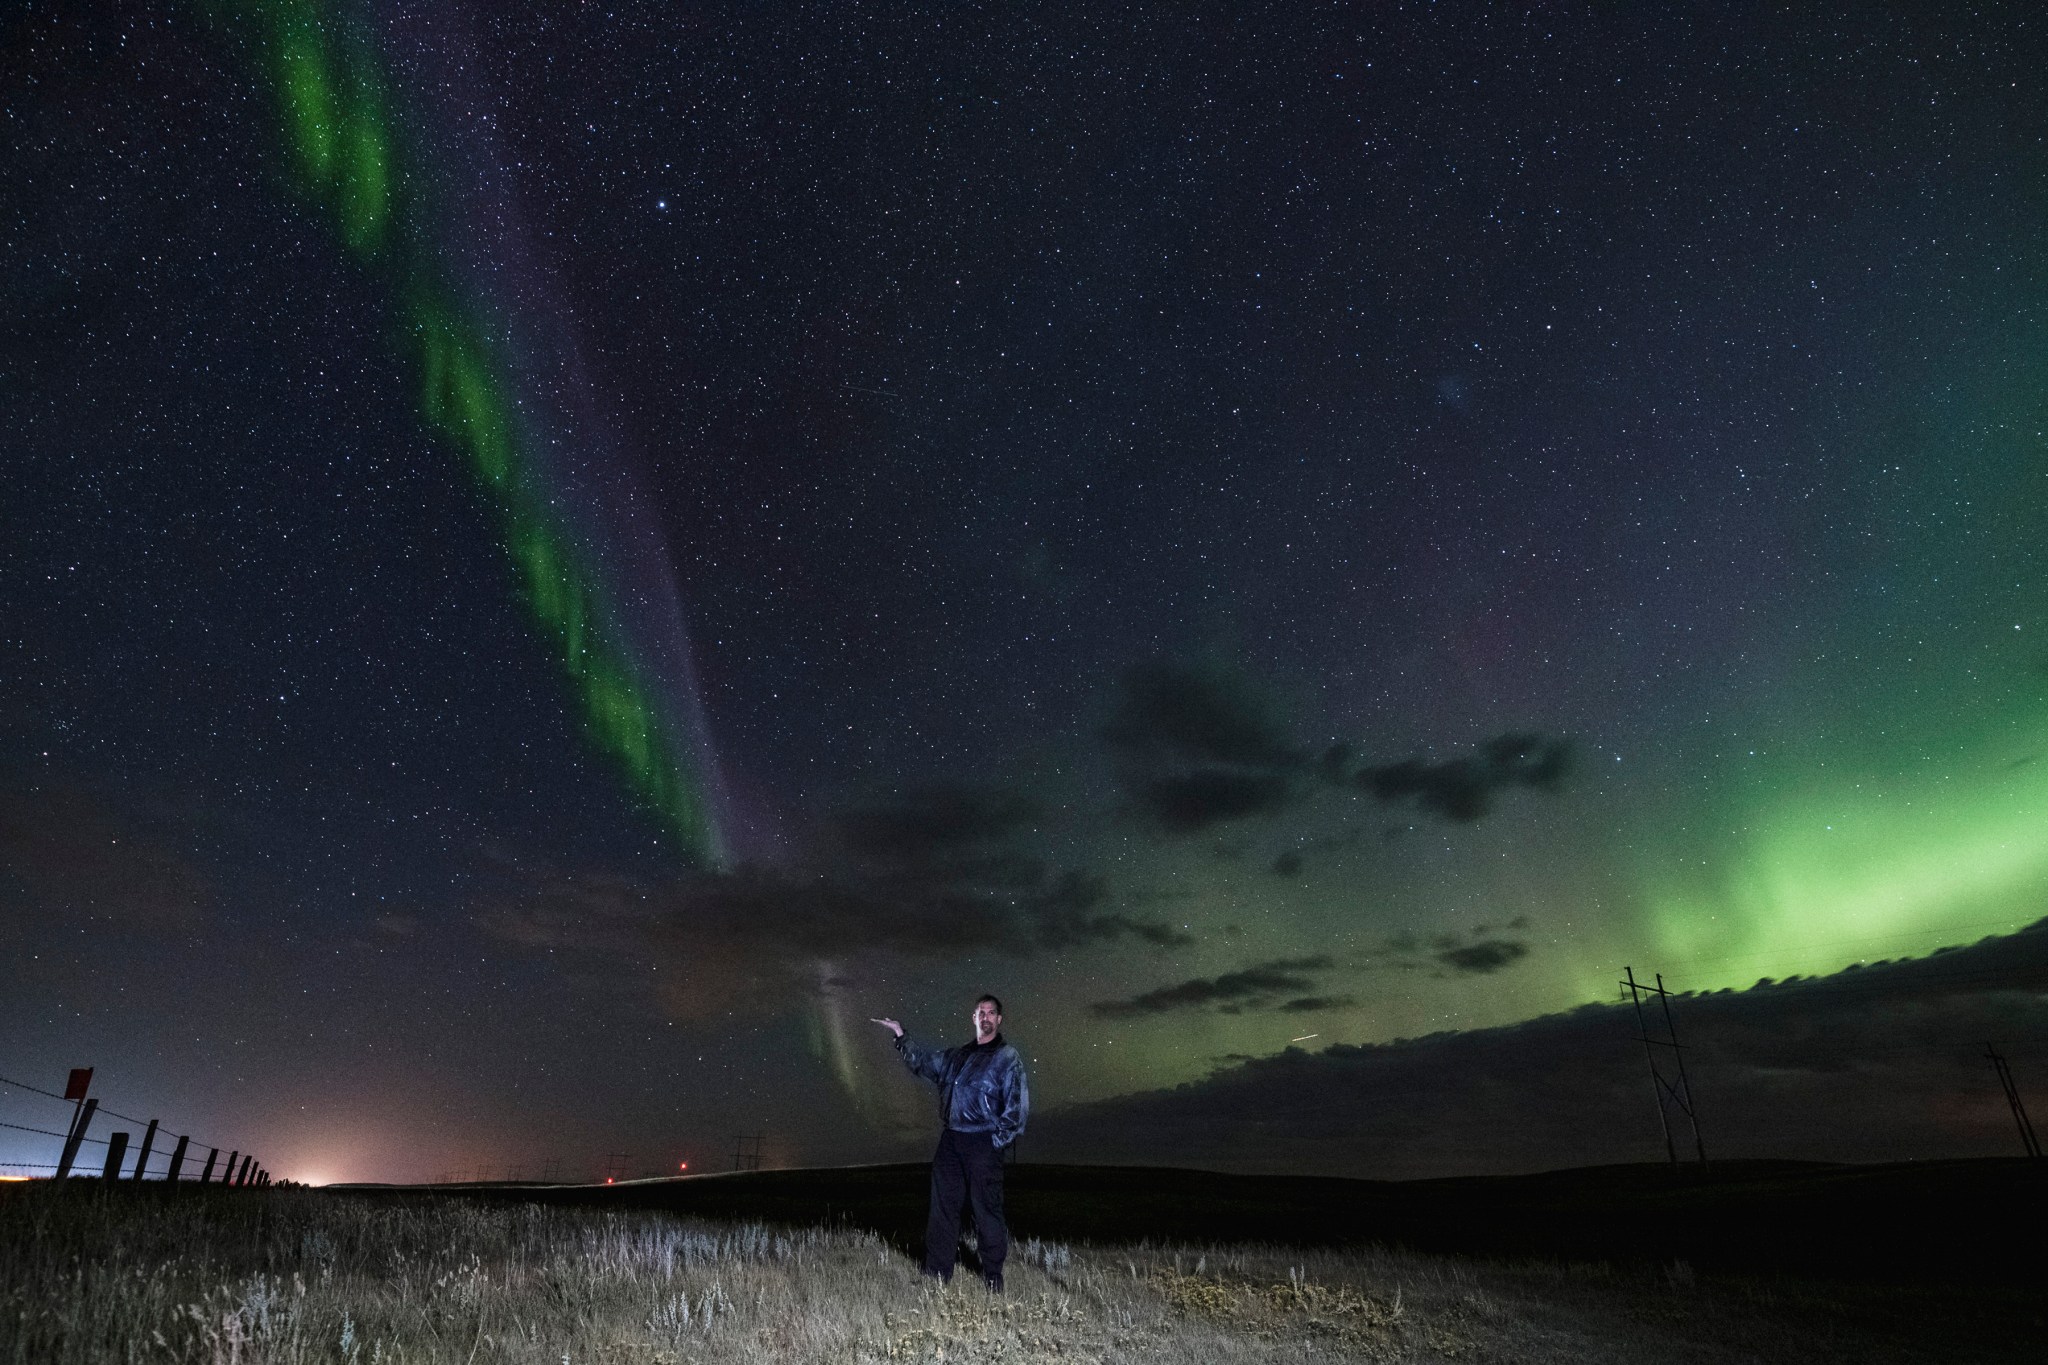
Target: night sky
pixel 556 559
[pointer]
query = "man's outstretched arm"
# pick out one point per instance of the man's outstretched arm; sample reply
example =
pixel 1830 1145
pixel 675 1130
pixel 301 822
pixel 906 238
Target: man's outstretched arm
pixel 922 1061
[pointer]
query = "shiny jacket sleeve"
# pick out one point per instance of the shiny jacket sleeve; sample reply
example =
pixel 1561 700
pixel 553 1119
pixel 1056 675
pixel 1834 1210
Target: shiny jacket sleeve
pixel 929 1063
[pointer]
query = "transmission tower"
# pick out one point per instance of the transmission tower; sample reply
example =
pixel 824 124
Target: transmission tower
pixel 746 1151
pixel 1669 1095
pixel 2012 1097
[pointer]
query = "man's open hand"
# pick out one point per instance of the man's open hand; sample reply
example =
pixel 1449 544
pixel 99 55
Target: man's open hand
pixel 889 1024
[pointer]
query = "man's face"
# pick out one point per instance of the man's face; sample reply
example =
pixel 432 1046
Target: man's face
pixel 986 1020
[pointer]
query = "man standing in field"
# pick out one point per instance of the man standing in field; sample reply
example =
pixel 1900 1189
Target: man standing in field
pixel 983 1102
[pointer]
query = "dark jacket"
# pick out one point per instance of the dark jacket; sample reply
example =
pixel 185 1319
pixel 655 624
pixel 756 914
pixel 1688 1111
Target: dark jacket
pixel 981 1088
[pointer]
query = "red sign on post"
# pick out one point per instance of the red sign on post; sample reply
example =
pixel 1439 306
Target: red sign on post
pixel 81 1078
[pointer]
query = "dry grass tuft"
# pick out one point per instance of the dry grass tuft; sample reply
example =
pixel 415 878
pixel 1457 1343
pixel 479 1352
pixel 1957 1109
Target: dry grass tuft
pixel 1341 1315
pixel 290 1277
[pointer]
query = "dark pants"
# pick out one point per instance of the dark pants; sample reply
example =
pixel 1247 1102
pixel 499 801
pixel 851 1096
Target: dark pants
pixel 967 1169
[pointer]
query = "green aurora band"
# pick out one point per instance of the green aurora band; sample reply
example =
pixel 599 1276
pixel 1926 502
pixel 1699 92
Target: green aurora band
pixel 335 115
pixel 1818 876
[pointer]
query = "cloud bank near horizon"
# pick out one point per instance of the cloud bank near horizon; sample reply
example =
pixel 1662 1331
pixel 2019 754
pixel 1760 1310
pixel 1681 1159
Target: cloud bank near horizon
pixel 1874 1063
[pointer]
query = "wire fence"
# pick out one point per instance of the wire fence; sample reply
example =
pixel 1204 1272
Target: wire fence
pixel 152 1153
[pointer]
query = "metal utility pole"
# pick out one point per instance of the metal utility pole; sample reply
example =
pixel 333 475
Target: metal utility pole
pixel 2012 1097
pixel 746 1151
pixel 1667 1093
pixel 615 1166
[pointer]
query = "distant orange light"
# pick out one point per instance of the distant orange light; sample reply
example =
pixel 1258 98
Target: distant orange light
pixel 13 1179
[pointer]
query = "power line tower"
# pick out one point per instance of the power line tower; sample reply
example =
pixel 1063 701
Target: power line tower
pixel 615 1167
pixel 746 1151
pixel 1668 1094
pixel 2012 1097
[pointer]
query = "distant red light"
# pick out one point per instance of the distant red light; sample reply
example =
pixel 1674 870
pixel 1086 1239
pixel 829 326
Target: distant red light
pixel 607 1180
pixel 684 1166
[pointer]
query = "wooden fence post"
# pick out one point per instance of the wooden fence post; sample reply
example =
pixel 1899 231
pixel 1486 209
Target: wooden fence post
pixel 142 1157
pixel 117 1149
pixel 80 1121
pixel 212 1156
pixel 177 1159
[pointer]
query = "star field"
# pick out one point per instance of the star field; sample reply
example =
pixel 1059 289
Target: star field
pixel 1215 523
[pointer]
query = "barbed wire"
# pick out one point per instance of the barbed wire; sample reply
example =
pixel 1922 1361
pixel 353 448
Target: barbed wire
pixel 46 1132
pixel 103 1109
pixel 8 1082
pixel 24 1085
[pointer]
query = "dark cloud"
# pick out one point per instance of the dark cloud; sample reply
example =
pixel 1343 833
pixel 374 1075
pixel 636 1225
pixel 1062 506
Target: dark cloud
pixel 1200 744
pixel 1250 988
pixel 938 872
pixel 960 849
pixel 1184 803
pixel 1262 986
pixel 759 930
pixel 949 869
pixel 1518 923
pixel 751 937
pixel 1198 713
pixel 1463 789
pixel 1335 764
pixel 1065 916
pixel 1486 956
pixel 1197 744
pixel 1479 950
pixel 1872 1064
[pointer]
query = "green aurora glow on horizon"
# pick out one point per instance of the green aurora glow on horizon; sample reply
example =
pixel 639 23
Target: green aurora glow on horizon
pixel 1817 877
pixel 334 115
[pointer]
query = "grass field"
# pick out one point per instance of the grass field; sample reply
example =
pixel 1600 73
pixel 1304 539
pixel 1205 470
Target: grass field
pixel 1907 1223
pixel 285 1275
